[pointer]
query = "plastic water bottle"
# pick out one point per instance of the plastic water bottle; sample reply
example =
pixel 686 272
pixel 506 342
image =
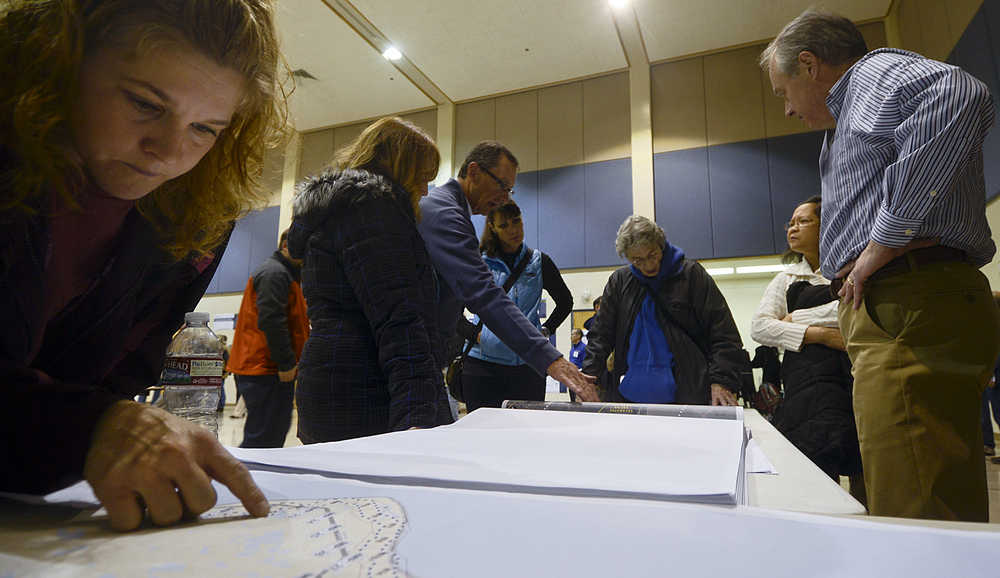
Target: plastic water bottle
pixel 192 373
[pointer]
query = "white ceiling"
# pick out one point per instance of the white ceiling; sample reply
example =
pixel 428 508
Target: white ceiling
pixel 476 48
pixel 354 81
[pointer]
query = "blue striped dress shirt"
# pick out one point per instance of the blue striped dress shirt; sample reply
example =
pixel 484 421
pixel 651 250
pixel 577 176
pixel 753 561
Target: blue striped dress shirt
pixel 906 159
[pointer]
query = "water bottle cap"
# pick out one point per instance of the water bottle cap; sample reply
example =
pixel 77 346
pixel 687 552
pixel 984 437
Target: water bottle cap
pixel 196 318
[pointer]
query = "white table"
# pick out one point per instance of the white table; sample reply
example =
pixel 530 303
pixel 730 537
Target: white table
pixel 799 485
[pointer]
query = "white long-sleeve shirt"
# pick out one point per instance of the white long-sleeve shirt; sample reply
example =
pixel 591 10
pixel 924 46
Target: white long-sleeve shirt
pixel 768 327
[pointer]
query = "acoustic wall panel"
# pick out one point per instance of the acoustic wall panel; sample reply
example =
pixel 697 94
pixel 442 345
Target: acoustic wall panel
pixel 234 269
pixel 678 105
pixel 263 226
pixel 974 53
pixel 317 150
pixel 936 34
pixel 741 200
pixel 254 238
pixel 683 202
pixel 474 122
pixel 608 203
pixel 561 201
pixel 560 126
pixel 517 127
pixel 526 197
pixel 793 167
pixel 606 125
pixel 734 96
pixel 345 135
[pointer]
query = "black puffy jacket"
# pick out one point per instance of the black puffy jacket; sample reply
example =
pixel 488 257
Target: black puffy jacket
pixel 694 300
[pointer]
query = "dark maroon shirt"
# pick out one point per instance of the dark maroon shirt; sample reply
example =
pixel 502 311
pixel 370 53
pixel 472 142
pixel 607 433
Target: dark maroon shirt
pixel 80 243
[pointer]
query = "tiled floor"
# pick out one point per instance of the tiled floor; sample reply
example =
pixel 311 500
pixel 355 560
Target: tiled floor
pixel 231 433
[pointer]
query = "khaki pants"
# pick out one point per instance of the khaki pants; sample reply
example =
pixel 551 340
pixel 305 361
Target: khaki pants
pixel 923 346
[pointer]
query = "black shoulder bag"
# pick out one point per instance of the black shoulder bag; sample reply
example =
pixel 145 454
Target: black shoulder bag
pixel 453 377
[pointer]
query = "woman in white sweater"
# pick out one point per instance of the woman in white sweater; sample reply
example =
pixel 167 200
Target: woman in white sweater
pixel 798 314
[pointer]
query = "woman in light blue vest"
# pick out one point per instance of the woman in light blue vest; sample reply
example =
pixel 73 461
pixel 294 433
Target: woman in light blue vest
pixel 492 371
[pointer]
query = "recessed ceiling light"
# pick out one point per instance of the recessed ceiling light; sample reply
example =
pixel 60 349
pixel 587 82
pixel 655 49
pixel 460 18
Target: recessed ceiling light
pixel 717 271
pixel 392 53
pixel 618 3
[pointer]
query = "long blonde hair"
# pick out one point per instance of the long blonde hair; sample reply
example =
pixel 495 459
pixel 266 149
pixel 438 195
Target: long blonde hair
pixel 396 149
pixel 42 46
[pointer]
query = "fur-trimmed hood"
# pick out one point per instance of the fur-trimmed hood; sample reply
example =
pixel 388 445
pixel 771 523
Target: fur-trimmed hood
pixel 319 197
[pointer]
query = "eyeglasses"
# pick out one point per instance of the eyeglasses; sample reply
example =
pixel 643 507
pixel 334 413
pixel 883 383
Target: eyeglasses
pixel 503 185
pixel 653 257
pixel 800 223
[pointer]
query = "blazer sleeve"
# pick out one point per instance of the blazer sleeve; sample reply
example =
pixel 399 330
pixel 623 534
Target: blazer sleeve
pixel 451 241
pixel 382 265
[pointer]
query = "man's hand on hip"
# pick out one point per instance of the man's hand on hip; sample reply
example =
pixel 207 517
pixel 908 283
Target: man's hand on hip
pixel 582 385
pixel 873 258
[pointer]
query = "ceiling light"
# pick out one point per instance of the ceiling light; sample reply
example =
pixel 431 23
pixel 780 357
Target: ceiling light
pixel 392 53
pixel 618 3
pixel 760 269
pixel 720 271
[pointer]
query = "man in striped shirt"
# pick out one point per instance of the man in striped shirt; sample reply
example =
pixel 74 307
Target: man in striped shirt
pixel 902 236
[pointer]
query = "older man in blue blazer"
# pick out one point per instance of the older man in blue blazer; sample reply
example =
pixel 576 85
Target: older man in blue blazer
pixel 485 181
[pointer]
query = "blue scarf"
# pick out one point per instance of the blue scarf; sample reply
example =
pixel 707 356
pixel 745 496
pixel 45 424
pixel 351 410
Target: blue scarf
pixel 650 376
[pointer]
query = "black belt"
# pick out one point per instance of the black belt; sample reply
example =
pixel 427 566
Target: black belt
pixel 909 261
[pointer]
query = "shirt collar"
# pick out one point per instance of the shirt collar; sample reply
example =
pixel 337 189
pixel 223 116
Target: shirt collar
pixel 835 98
pixel 800 269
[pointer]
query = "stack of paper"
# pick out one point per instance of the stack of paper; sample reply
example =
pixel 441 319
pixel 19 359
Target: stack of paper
pixel 549 452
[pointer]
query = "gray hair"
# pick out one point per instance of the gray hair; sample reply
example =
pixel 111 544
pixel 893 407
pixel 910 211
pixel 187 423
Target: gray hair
pixel 831 37
pixel 638 230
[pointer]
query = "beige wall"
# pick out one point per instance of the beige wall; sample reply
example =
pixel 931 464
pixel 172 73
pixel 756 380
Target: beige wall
pixel 568 124
pixel 930 27
pixel 722 98
pixel 319 146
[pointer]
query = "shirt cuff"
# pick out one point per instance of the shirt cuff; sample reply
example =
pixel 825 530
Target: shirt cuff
pixel 792 336
pixel 890 230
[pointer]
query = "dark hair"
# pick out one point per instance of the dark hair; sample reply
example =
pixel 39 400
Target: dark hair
pixel 597 301
pixel 490 243
pixel 832 38
pixel 790 256
pixel 487 155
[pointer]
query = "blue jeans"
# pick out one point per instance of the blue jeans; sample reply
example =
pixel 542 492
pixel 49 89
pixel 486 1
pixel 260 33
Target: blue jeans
pixel 269 410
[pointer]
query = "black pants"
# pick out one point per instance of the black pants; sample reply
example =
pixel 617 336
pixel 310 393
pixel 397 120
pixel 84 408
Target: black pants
pixel 488 384
pixel 269 410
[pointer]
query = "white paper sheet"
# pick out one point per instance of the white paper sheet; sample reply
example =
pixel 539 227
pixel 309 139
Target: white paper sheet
pixel 460 533
pixel 542 451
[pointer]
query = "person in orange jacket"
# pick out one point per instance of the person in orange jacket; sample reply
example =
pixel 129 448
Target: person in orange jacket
pixel 271 329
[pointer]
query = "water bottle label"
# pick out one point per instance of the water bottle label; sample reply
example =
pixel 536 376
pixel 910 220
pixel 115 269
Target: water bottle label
pixel 192 371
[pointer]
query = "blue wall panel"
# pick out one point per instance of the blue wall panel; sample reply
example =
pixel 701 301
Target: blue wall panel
pixel 793 167
pixel 526 197
pixel 608 203
pixel 561 197
pixel 975 52
pixel 264 236
pixel 682 200
pixel 254 238
pixel 741 199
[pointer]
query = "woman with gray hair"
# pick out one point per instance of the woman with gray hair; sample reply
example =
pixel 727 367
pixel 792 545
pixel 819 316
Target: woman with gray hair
pixel 674 337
